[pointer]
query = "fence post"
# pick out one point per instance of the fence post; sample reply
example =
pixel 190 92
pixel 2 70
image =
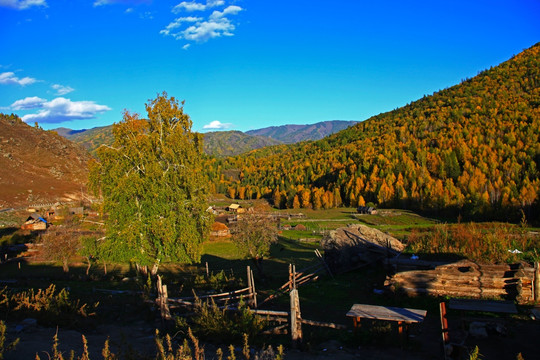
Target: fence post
pixel 536 282
pixel 253 289
pixel 251 285
pixel 296 318
pixel 163 299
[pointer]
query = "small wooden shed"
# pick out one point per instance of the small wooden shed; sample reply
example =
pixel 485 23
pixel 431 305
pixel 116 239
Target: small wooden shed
pixel 35 222
pixel 236 208
pixel 219 230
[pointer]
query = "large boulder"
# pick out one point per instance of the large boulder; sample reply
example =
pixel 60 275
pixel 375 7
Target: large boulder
pixel 356 245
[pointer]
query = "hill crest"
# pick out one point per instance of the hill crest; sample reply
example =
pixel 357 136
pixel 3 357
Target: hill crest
pixel 38 165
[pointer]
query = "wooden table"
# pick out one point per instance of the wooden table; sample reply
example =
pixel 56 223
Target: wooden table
pixel 507 307
pixel 403 316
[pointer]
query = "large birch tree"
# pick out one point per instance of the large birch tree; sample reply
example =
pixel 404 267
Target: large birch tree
pixel 153 189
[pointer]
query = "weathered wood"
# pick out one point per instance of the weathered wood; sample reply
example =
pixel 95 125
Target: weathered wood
pixel 116 292
pixel 488 283
pixel 323 324
pixel 270 312
pixel 278 330
pixel 253 290
pixel 296 318
pixel 536 282
pixel 166 312
pixel 225 294
pixel 417 263
pixel 389 313
pixel 430 275
pixel 163 300
pixel 507 307
pixel 468 278
pixel 462 292
pixel 250 291
pixel 323 262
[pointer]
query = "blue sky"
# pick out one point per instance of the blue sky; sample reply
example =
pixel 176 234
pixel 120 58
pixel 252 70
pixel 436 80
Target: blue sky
pixel 246 64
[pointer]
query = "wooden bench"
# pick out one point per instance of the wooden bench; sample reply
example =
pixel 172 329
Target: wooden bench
pixel 402 316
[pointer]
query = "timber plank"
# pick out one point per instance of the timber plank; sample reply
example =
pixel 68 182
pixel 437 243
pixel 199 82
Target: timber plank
pixel 507 307
pixel 388 313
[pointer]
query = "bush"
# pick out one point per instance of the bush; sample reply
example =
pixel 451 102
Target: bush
pixel 218 281
pixel 228 325
pixel 491 243
pixel 48 306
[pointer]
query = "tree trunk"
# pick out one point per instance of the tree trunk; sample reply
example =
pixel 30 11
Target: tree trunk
pixel 258 264
pixel 154 270
pixel 65 266
pixel 105 268
pixel 142 270
pixel 88 267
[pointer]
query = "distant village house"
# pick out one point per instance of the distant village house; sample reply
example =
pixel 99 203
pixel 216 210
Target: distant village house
pixel 236 208
pixel 219 230
pixel 35 222
pixel 366 210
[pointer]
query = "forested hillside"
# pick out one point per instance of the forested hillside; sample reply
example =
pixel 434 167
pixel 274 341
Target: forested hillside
pixel 473 148
pixel 290 134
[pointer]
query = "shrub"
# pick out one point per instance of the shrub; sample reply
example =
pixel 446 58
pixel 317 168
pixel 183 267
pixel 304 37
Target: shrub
pixel 47 306
pixel 490 243
pixel 3 346
pixel 229 325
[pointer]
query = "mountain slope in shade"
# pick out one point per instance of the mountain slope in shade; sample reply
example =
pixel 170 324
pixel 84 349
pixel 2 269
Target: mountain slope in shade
pixel 231 143
pixel 290 134
pixel 90 139
pixel 38 165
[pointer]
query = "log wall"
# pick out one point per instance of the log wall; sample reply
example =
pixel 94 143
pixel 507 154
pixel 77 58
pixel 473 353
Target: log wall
pixel 469 279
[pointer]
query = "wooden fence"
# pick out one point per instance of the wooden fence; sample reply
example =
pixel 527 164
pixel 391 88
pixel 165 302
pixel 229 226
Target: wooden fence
pixel 302 277
pixel 282 322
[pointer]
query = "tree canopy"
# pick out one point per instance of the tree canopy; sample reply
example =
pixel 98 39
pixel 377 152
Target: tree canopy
pixel 153 189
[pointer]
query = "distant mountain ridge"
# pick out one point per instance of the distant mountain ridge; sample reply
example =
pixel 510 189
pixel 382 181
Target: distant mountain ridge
pixel 290 134
pixel 224 143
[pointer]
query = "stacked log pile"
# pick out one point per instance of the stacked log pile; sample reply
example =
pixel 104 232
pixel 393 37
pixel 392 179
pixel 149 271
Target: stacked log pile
pixel 468 279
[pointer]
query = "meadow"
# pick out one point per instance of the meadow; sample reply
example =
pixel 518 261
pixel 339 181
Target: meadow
pixel 118 296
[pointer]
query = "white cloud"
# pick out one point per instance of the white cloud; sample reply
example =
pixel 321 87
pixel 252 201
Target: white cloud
pixel 195 6
pixel 185 47
pixel 206 30
pixel 229 10
pixel 217 125
pixel 124 2
pixel 217 24
pixel 61 109
pixel 10 78
pixel 22 4
pixel 178 23
pixel 62 90
pixel 28 103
